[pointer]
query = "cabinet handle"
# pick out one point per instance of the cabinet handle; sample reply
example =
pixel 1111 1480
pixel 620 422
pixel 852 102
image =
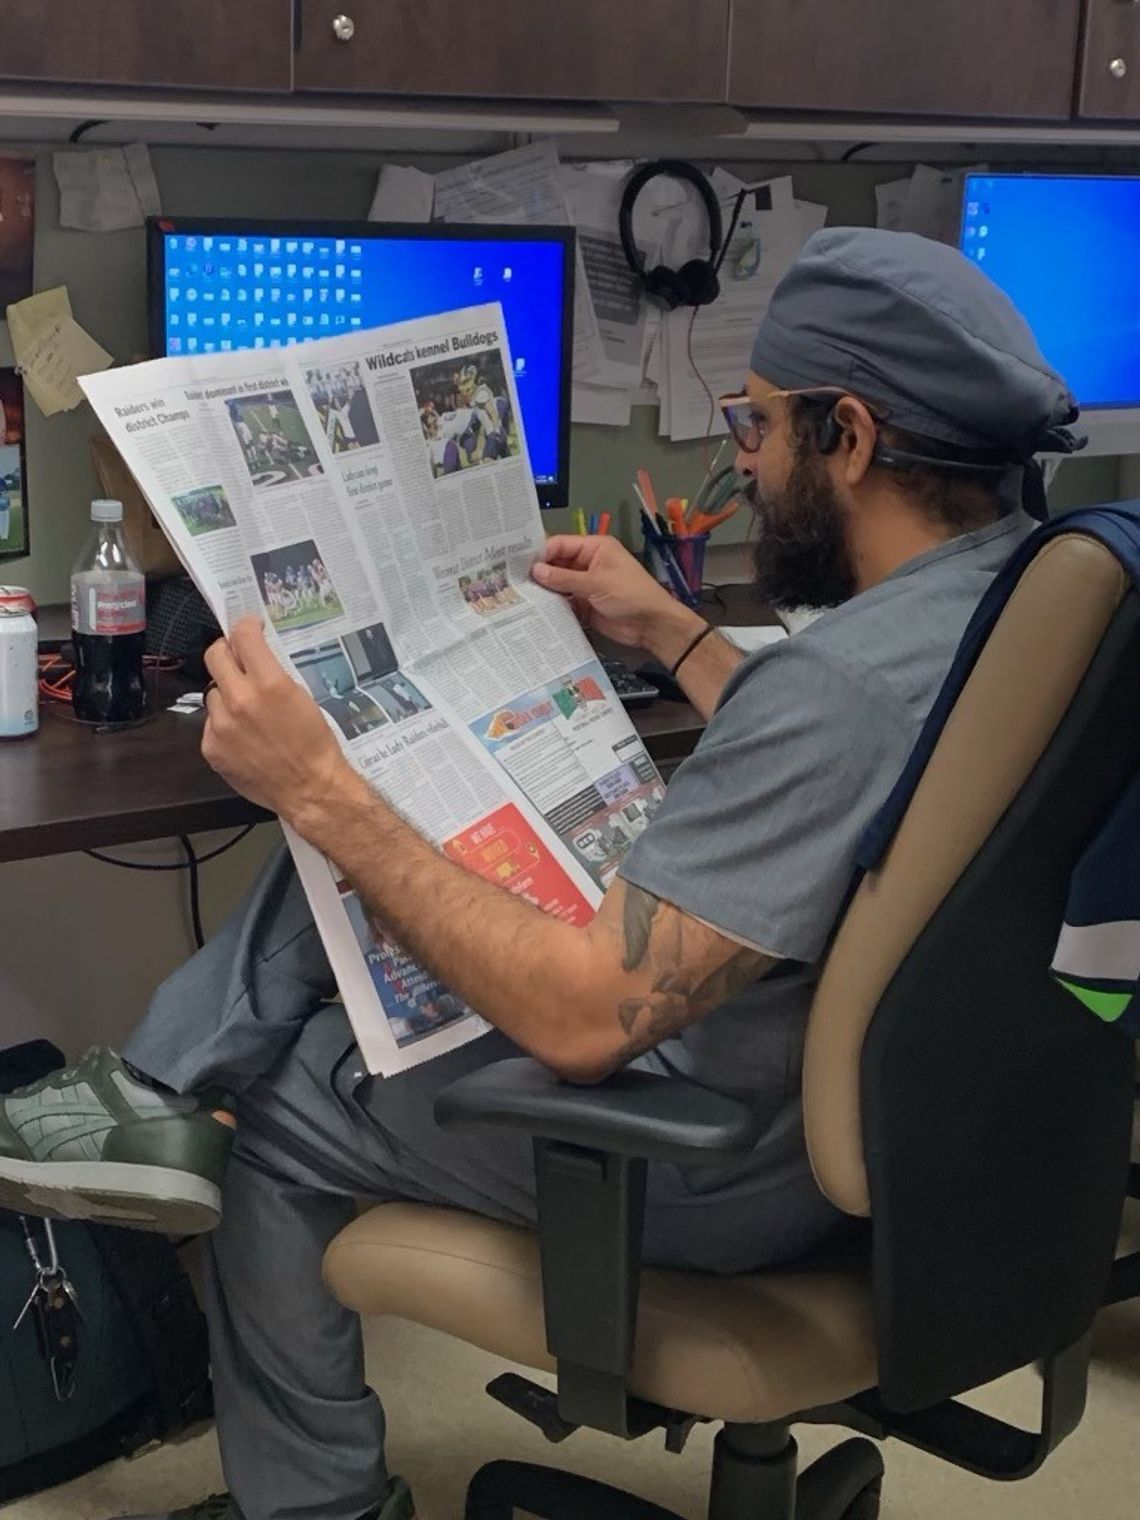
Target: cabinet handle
pixel 1118 68
pixel 344 28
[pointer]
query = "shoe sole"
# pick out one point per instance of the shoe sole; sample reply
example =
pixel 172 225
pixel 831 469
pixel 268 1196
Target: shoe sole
pixel 153 1198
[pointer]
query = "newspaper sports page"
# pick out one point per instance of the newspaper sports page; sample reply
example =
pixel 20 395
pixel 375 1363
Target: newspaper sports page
pixel 370 497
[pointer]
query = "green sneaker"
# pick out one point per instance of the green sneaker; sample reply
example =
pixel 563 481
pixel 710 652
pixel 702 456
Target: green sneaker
pixel 216 1507
pixel 91 1142
pixel 399 1505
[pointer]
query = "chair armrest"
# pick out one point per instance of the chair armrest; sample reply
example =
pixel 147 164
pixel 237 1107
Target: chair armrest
pixel 633 1113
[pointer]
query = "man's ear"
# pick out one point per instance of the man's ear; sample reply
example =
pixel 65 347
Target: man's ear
pixel 859 437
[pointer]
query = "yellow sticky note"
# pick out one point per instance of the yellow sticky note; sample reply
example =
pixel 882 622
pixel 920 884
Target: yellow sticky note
pixel 55 358
pixel 27 318
pixel 52 350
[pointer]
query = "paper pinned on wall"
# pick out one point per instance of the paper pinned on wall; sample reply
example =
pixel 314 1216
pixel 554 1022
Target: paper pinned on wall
pixel 106 189
pixel 600 406
pixel 929 203
pixel 625 321
pixel 890 199
pixel 520 185
pixel 403 194
pixel 52 350
pixel 136 156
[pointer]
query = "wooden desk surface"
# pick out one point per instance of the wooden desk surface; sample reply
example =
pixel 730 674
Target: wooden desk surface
pixel 68 788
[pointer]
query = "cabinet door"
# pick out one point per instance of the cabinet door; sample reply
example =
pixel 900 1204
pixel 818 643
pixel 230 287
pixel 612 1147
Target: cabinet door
pixel 1110 70
pixel 197 44
pixel 669 50
pixel 1010 58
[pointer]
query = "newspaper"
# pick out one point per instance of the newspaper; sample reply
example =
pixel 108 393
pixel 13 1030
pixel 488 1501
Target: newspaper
pixel 370 497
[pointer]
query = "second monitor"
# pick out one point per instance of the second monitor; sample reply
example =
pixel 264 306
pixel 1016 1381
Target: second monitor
pixel 217 285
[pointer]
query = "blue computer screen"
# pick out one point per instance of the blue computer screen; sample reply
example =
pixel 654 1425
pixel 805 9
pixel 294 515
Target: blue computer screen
pixel 248 288
pixel 1066 249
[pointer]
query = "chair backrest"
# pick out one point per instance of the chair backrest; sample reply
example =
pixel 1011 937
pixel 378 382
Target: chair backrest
pixel 952 1091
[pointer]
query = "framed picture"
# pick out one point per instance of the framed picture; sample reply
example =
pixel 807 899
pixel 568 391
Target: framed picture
pixel 14 534
pixel 17 227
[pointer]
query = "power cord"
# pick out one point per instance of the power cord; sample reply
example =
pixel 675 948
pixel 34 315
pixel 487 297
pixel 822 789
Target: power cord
pixel 192 864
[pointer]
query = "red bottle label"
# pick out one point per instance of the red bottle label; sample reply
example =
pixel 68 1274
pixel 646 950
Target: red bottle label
pixel 109 609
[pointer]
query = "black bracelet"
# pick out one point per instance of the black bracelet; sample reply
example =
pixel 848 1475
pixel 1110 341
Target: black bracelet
pixel 704 633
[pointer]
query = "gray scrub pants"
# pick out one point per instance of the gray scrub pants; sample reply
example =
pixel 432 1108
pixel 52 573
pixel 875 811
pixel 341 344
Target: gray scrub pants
pixel 302 1436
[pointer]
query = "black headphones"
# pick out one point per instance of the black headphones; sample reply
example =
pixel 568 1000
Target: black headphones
pixel 695 283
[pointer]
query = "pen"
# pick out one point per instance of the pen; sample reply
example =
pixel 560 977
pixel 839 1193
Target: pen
pixel 593 522
pixel 604 524
pixel 580 523
pixel 662 549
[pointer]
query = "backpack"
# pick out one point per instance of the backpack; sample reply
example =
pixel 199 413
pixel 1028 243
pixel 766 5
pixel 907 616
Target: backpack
pixel 127 1368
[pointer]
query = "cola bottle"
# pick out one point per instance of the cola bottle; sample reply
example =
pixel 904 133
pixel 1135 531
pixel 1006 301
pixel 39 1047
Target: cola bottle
pixel 108 624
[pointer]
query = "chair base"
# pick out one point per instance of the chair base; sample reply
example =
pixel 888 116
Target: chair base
pixel 754 1478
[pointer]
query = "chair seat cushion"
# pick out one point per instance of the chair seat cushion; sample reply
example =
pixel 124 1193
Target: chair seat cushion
pixel 743 1349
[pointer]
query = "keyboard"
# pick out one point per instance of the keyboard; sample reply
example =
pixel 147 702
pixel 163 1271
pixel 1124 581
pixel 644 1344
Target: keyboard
pixel 633 690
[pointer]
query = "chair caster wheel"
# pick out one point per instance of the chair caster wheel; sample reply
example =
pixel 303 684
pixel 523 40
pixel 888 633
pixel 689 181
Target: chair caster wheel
pixel 844 1484
pixel 866 1505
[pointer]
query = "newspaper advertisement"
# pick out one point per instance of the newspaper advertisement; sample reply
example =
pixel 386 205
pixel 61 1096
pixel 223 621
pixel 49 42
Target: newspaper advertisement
pixel 370 498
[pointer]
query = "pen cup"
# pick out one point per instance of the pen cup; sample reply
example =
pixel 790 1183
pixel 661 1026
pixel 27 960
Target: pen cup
pixel 688 550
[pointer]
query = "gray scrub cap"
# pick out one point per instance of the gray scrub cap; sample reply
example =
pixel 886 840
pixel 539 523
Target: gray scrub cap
pixel 916 327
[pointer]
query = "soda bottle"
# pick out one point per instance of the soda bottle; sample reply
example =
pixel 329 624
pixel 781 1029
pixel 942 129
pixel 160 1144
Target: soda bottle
pixel 108 624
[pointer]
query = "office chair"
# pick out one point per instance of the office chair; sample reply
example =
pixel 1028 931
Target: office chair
pixel 1124 1283
pixel 953 1094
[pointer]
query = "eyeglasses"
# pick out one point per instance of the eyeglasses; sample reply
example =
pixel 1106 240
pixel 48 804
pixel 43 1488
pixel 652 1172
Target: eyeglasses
pixel 749 427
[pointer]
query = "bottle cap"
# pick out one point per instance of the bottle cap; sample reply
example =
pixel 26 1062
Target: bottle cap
pixel 106 511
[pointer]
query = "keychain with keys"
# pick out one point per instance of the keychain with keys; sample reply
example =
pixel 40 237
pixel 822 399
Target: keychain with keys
pixel 55 1304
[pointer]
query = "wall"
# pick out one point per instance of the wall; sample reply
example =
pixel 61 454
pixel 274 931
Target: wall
pixel 83 944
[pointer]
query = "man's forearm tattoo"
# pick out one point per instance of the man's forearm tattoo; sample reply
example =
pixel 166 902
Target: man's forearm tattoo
pixel 653 935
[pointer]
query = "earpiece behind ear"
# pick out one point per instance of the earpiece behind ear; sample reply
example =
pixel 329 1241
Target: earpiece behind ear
pixel 830 433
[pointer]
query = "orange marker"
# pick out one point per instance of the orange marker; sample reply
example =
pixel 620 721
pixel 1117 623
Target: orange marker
pixel 646 484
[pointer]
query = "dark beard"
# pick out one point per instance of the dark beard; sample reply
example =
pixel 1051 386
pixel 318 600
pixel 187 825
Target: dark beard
pixel 802 558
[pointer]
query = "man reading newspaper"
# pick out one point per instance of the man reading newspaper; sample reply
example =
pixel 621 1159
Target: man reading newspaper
pixel 894 399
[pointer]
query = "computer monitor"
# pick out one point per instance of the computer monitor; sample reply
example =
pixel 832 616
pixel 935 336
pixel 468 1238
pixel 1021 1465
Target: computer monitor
pixel 1065 248
pixel 217 285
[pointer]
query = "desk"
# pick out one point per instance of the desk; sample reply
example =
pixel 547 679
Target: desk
pixel 67 788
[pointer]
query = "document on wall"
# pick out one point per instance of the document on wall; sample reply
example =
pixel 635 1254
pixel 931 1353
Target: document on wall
pixel 929 202
pixel 370 498
pixel 403 194
pixel 106 189
pixel 626 321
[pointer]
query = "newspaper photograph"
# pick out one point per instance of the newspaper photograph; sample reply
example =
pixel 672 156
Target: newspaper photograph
pixel 370 498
